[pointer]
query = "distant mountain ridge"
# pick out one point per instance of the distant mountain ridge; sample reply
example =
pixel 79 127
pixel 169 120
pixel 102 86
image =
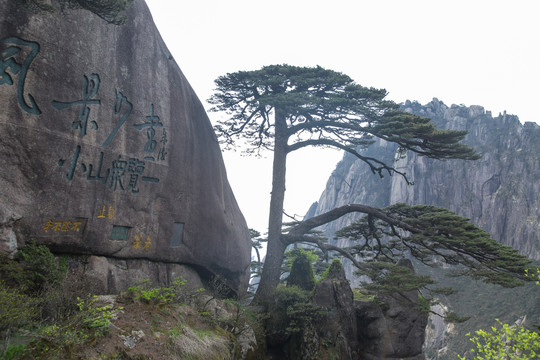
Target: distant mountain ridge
pixel 499 192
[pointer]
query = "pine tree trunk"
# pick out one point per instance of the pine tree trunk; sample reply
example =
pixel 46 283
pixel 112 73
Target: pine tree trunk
pixel 276 249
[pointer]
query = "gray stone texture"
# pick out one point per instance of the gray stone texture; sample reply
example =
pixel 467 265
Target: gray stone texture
pixel 393 331
pixel 499 192
pixel 338 322
pixel 395 334
pixel 106 149
pixel 365 329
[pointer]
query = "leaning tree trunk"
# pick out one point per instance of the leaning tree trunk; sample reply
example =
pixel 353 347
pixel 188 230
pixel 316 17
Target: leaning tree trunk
pixel 276 248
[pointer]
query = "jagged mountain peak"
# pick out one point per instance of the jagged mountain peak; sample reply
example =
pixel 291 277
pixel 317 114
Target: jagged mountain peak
pixel 499 192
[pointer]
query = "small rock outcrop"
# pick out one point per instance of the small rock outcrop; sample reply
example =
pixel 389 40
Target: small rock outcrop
pixel 338 323
pixel 106 150
pixel 393 330
pixel 345 328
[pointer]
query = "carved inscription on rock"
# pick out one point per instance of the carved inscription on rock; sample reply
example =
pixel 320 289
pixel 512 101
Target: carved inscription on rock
pixel 106 149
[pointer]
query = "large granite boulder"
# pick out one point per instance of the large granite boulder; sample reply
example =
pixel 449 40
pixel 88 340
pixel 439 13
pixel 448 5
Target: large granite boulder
pixel 105 148
pixel 393 332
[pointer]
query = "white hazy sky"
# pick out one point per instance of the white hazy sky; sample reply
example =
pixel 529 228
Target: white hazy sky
pixel 471 52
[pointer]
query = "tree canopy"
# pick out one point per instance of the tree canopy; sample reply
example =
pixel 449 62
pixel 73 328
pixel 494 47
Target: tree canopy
pixel 433 235
pixel 284 108
pixel 320 107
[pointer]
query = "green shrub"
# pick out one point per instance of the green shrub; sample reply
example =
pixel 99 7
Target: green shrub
pixel 94 316
pixel 34 267
pixel 60 335
pixel 504 342
pixel 291 255
pixel 37 285
pixel 333 270
pixel 12 273
pixel 13 352
pixel 290 295
pixel 292 309
pixel 61 300
pixel 533 275
pixel 60 338
pixel 37 273
pixel 301 274
pixel 176 292
pixel 16 308
pixel 40 266
pixel 241 320
pixel 363 295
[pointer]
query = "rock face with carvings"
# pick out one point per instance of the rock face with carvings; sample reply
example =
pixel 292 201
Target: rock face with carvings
pixel 106 150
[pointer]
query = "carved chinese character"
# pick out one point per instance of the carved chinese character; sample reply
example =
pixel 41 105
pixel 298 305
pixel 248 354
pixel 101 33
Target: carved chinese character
pixel 90 89
pixel 118 170
pixel 66 226
pixel 98 176
pixel 163 141
pixel 151 122
pixel 118 107
pixel 147 244
pixel 76 226
pixel 111 214
pixel 137 243
pixel 102 213
pixel 135 169
pixel 74 161
pixel 48 226
pixel 57 226
pixel 14 59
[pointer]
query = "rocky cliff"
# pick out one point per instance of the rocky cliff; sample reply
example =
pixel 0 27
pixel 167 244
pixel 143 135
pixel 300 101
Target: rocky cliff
pixel 500 192
pixel 107 152
pixel 344 325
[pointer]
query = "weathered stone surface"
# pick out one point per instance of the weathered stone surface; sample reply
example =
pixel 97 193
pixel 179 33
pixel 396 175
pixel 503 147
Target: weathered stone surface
pixel 363 330
pixel 112 274
pixel 105 148
pixel 499 192
pixel 338 324
pixel 397 333
pixel 8 239
pixel 344 328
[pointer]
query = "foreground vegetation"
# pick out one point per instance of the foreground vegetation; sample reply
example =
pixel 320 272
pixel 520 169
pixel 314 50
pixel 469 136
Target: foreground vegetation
pixel 505 341
pixel 48 312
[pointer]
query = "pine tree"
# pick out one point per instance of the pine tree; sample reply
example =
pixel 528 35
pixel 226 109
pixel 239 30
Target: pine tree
pixel 285 108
